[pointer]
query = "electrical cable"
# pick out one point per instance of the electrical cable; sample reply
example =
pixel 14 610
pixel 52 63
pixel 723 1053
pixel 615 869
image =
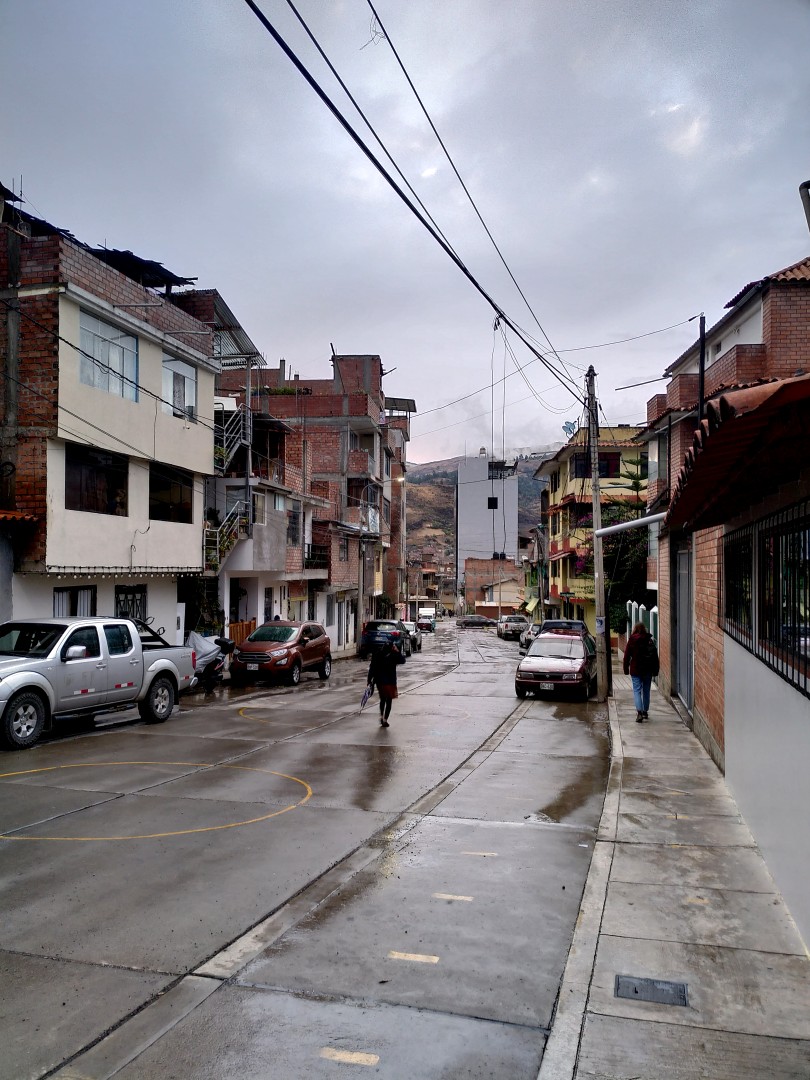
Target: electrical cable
pixel 563 379
pixel 461 181
pixel 365 119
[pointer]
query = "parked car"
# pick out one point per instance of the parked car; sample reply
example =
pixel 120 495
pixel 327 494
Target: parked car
pixel 380 632
pixel 83 666
pixel 527 637
pixel 282 650
pixel 469 622
pixel 426 624
pixel 416 635
pixel 558 660
pixel 510 627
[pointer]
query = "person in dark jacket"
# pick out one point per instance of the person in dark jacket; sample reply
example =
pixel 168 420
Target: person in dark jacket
pixel 641 663
pixel 382 673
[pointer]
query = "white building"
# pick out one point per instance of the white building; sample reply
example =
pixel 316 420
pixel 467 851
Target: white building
pixel 486 510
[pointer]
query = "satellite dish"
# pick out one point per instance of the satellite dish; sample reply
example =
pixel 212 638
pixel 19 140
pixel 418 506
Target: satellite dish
pixel 569 427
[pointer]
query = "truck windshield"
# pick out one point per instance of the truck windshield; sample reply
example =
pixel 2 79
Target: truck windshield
pixel 29 639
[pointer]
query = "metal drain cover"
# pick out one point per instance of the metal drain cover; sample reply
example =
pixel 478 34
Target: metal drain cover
pixel 657 991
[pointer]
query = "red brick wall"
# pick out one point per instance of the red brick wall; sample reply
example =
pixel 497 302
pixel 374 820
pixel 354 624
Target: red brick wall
pixel 656 406
pixel 709 703
pixel 664 616
pixel 481 572
pixel 786 327
pixel 741 364
pixel 344 575
pixel 682 392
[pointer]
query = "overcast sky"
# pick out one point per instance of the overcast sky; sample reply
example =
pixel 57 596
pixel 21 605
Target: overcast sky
pixel 637 162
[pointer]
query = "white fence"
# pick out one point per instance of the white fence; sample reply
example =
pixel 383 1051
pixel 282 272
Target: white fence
pixel 640 613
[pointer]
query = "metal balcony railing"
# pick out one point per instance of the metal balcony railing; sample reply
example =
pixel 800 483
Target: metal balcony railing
pixel 316 556
pixel 230 435
pixel 219 542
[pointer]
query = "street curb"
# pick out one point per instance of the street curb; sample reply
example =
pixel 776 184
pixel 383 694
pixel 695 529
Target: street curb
pixel 562 1047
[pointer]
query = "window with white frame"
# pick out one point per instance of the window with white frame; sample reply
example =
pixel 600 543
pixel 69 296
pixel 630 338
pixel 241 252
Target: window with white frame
pixel 74 600
pixel 109 357
pixel 259 509
pixel 179 388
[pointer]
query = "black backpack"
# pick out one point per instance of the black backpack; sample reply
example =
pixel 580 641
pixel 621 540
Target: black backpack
pixel 647 656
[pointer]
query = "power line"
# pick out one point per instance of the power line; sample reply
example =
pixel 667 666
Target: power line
pixel 564 380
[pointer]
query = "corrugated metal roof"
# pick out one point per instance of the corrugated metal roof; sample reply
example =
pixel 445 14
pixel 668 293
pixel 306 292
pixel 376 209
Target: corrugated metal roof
pixel 749 440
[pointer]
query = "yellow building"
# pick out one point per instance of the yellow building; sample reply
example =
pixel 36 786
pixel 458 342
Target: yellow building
pixel 569 516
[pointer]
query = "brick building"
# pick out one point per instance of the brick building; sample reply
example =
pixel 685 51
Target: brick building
pixel 106 410
pixel 353 444
pixel 732 562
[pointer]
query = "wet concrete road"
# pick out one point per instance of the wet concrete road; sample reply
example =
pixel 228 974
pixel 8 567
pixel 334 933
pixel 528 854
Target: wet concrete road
pixel 271 884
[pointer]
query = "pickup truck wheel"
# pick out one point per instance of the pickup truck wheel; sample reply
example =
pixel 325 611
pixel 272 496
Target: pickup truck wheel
pixel 325 670
pixel 23 721
pixel 295 674
pixel 158 704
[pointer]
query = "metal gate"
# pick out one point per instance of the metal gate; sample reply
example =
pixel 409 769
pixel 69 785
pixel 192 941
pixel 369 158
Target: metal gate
pixel 684 656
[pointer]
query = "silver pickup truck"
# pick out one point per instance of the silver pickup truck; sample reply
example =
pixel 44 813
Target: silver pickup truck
pixel 82 666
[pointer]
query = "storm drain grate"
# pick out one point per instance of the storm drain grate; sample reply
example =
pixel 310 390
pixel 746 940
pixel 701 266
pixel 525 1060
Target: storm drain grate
pixel 658 991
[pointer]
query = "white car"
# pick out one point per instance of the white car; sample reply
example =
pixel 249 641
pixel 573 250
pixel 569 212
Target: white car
pixel 416 635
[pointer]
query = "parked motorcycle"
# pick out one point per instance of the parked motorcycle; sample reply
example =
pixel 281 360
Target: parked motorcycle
pixel 212 654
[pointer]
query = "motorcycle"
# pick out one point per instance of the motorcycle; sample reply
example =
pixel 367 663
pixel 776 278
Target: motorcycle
pixel 212 654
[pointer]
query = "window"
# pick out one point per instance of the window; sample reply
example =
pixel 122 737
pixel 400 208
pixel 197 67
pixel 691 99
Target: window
pixel 96 481
pixel 330 610
pixel 387 465
pixel 343 554
pixel 179 388
pixel 259 510
pixel 279 503
pixel 170 494
pixel 766 591
pixel 387 511
pixel 87 637
pixel 294 523
pixel 130 602
pixel 554 481
pixel 109 357
pixel 610 464
pixel 74 600
pixel 119 640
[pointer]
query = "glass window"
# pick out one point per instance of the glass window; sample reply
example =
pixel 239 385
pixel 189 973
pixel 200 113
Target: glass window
pixel 179 388
pixel 86 636
pixel 259 510
pixel 119 639
pixel 344 549
pixel 96 481
pixel 330 610
pixel 130 602
pixel 294 523
pixel 109 357
pixel 170 494
pixel 74 600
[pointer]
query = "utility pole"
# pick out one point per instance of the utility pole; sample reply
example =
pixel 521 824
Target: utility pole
pixel 598 562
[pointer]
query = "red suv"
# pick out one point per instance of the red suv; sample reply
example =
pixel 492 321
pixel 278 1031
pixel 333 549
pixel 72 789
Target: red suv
pixel 558 660
pixel 282 650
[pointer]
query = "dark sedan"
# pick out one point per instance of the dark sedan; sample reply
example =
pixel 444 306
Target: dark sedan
pixel 470 622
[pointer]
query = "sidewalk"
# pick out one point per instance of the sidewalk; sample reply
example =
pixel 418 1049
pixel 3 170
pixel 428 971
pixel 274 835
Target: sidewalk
pixel 678 893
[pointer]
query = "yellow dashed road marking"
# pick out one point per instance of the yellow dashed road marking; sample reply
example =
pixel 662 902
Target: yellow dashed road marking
pixel 449 896
pixel 349 1057
pixel 162 835
pixel 416 957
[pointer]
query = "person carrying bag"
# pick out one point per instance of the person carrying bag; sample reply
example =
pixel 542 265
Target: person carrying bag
pixel 641 663
pixel 382 673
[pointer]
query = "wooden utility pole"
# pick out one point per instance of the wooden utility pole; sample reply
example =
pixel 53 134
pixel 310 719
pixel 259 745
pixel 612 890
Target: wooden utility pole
pixel 598 562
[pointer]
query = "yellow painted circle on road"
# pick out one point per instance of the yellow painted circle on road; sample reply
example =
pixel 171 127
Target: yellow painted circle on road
pixel 176 832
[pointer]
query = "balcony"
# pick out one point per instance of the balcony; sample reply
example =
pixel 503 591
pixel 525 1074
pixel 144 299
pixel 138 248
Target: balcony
pixel 316 557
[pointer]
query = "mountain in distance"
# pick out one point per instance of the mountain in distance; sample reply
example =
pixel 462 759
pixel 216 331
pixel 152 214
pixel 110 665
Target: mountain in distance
pixel 431 497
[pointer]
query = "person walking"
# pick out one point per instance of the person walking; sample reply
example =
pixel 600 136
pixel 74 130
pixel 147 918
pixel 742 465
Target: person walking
pixel 382 673
pixel 641 664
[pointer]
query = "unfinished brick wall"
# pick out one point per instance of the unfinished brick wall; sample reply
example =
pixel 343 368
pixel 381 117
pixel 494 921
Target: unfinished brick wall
pixel 740 365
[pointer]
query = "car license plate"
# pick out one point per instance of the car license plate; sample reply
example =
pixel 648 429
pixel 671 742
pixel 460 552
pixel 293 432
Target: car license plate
pixel 546 685
pixel 252 667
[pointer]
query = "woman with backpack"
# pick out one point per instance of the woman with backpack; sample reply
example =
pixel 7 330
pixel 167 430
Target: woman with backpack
pixel 382 673
pixel 641 664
